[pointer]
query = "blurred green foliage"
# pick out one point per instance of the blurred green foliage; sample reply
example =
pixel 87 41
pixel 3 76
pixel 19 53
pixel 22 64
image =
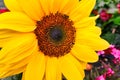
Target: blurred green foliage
pixel 109 22
pixel 111 27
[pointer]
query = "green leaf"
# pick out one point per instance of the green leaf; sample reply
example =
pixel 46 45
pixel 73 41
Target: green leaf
pixel 117 20
pixel 109 37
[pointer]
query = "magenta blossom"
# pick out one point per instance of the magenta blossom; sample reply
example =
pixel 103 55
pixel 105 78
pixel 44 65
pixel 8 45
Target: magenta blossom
pixel 116 61
pixel 102 77
pixel 111 50
pixel 109 72
pixel 104 16
pixel 100 52
pixel 2 10
pixel 118 5
pixel 107 51
pixel 116 53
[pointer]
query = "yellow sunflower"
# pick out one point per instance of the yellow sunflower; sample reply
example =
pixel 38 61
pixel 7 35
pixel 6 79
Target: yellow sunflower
pixel 46 39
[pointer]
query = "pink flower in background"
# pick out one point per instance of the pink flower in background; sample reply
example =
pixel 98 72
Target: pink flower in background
pixel 118 5
pixel 102 77
pixel 113 50
pixel 109 50
pixel 116 53
pixel 109 72
pixel 116 61
pixel 2 10
pixel 100 52
pixel 104 16
pixel 112 46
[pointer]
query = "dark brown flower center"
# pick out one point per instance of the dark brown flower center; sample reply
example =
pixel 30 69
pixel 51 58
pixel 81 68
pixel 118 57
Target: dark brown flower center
pixel 55 34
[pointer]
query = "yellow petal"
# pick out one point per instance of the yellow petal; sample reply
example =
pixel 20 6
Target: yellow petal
pixel 62 5
pixel 54 5
pixel 16 21
pixel 69 69
pixel 20 59
pixel 88 32
pixel 16 27
pixel 16 18
pixel 23 76
pixel 86 22
pixel 32 8
pixel 82 9
pixel 84 64
pixel 77 63
pixel 7 35
pixel 45 6
pixel 50 5
pixel 13 5
pixel 21 56
pixel 67 6
pixel 90 37
pixel 84 53
pixel 13 66
pixel 52 69
pixel 3 42
pixel 95 43
pixel 36 68
pixel 19 44
pixel 12 72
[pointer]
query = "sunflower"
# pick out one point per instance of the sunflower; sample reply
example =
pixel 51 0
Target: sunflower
pixel 48 39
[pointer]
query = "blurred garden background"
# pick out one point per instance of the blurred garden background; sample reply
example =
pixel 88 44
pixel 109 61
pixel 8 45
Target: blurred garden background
pixel 108 66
